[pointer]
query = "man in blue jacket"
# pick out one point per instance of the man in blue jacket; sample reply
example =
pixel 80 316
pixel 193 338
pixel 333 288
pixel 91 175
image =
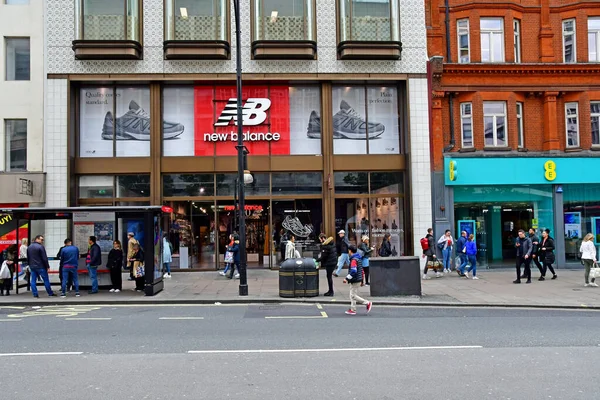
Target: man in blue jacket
pixel 69 258
pixel 93 261
pixel 461 251
pixel 39 266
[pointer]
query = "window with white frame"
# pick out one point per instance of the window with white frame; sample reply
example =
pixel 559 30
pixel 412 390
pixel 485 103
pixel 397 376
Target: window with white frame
pixel 494 123
pixel 517 39
pixel 462 28
pixel 466 123
pixel 572 124
pixel 568 37
pixel 521 143
pixel 594 39
pixel 595 117
pixel 492 39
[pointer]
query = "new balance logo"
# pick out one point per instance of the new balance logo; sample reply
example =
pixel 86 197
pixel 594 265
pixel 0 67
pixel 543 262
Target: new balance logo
pixel 253 112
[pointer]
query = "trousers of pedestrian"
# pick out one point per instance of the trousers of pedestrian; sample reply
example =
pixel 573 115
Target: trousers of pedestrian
pixel 116 278
pixel 548 266
pixel 526 271
pixel 168 268
pixel 446 255
pixel 343 260
pixel 473 262
pixel 536 261
pixel 93 272
pixel 464 260
pixel 69 275
pixel 588 266
pixel 43 273
pixel 329 271
pixel 354 297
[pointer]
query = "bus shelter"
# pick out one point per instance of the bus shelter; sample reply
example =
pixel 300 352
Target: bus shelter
pixel 105 223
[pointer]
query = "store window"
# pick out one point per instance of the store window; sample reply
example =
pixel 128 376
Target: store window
pixel 369 21
pixel 492 39
pixel 108 20
pixel 517 39
pixel 494 120
pixel 464 53
pixel 594 39
pixel 15 131
pixel 365 120
pixel 196 20
pixel 133 185
pixel 521 140
pixel 286 21
pixel 301 183
pixel 115 121
pixel 572 124
pixel 17 59
pixel 466 123
pixel 133 188
pixel 96 186
pixel 569 41
pixel 188 185
pixel 581 216
pixel 595 118
pixel 286 120
pixel 304 219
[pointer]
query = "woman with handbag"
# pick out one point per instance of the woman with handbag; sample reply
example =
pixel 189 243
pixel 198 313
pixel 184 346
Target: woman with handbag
pixel 588 255
pixel 446 243
pixel 228 257
pixel 235 251
pixel 546 255
pixel 137 261
pixel 115 266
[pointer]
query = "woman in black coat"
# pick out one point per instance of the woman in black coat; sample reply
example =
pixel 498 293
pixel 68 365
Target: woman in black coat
pixel 115 265
pixel 328 259
pixel 547 254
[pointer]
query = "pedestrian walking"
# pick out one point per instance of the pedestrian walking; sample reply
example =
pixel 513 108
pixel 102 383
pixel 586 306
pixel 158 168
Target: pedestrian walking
pixel 446 244
pixel 115 266
pixel 235 251
pixel 588 255
pixel 386 247
pixel 524 249
pixel 93 261
pixel 137 263
pixel 39 266
pixel 546 254
pixel 535 257
pixel 365 252
pixel 167 256
pixel 461 250
pixel 342 251
pixel 131 241
pixel 354 278
pixel 427 244
pixel 6 277
pixel 69 258
pixel 228 262
pixel 328 259
pixel 471 253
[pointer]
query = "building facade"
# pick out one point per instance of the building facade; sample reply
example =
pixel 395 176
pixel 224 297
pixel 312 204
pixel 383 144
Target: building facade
pixel 335 119
pixel 515 121
pixel 22 82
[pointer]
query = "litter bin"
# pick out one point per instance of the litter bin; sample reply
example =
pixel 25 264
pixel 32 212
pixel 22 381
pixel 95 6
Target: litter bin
pixel 298 277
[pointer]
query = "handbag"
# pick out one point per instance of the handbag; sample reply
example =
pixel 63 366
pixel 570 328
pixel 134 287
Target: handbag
pixel 139 271
pixel 4 271
pixel 229 257
pixel 595 271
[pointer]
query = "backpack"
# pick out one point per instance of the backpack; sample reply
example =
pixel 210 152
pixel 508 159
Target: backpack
pixel 424 244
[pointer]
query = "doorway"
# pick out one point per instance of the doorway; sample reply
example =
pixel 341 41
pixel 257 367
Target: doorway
pixel 513 218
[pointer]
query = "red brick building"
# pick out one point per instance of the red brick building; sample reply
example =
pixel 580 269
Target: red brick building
pixel 515 91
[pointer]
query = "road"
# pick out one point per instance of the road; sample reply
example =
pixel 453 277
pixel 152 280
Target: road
pixel 297 352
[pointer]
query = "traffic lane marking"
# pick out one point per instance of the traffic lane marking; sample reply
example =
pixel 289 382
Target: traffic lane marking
pixel 332 350
pixel 180 318
pixel 87 319
pixel 57 353
pixel 11 320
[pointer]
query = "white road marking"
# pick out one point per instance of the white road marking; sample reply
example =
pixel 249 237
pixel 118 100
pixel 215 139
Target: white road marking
pixel 299 317
pixel 180 318
pixel 333 350
pixel 70 353
pixel 10 320
pixel 88 319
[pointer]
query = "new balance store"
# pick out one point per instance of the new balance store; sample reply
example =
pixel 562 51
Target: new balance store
pixel 323 157
pixel 495 197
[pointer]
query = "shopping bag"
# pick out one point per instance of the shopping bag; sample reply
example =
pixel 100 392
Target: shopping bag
pixel 4 271
pixel 139 271
pixel 595 272
pixel 228 257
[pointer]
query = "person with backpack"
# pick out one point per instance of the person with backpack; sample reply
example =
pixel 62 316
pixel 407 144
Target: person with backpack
pixel 427 244
pixel 386 247
pixel 354 278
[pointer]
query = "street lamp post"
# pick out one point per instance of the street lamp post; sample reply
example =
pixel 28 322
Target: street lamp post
pixel 243 289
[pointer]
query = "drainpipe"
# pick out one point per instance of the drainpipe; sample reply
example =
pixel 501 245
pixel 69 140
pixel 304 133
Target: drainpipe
pixel 451 95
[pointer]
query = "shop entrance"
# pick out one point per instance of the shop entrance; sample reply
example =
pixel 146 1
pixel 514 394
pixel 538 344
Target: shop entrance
pixel 513 218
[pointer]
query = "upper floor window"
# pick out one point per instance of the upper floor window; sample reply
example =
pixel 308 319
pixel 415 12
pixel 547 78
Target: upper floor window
pixel 568 38
pixel 17 59
pixel 462 29
pixel 196 20
pixel 595 117
pixel 466 124
pixel 15 131
pixel 521 139
pixel 492 39
pixel 572 124
pixel 517 39
pixel 494 123
pixel 594 39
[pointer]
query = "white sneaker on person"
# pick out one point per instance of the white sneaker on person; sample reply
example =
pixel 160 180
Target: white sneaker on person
pixel 237 276
pixel 438 274
pixel 112 290
pixel 587 285
pixel 117 291
pixel 594 284
pixel 467 274
pixel 166 275
pixel 221 273
pixel 425 277
pixel 475 278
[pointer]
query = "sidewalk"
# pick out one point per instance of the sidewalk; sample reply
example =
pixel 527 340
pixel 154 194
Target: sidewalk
pixel 494 288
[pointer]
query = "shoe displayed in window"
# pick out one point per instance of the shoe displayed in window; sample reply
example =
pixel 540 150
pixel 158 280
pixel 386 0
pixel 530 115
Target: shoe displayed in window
pixel 313 130
pixel 349 124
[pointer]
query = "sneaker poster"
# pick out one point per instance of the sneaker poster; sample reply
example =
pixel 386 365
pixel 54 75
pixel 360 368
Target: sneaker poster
pixel 118 115
pixel 365 120
pixel 277 120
